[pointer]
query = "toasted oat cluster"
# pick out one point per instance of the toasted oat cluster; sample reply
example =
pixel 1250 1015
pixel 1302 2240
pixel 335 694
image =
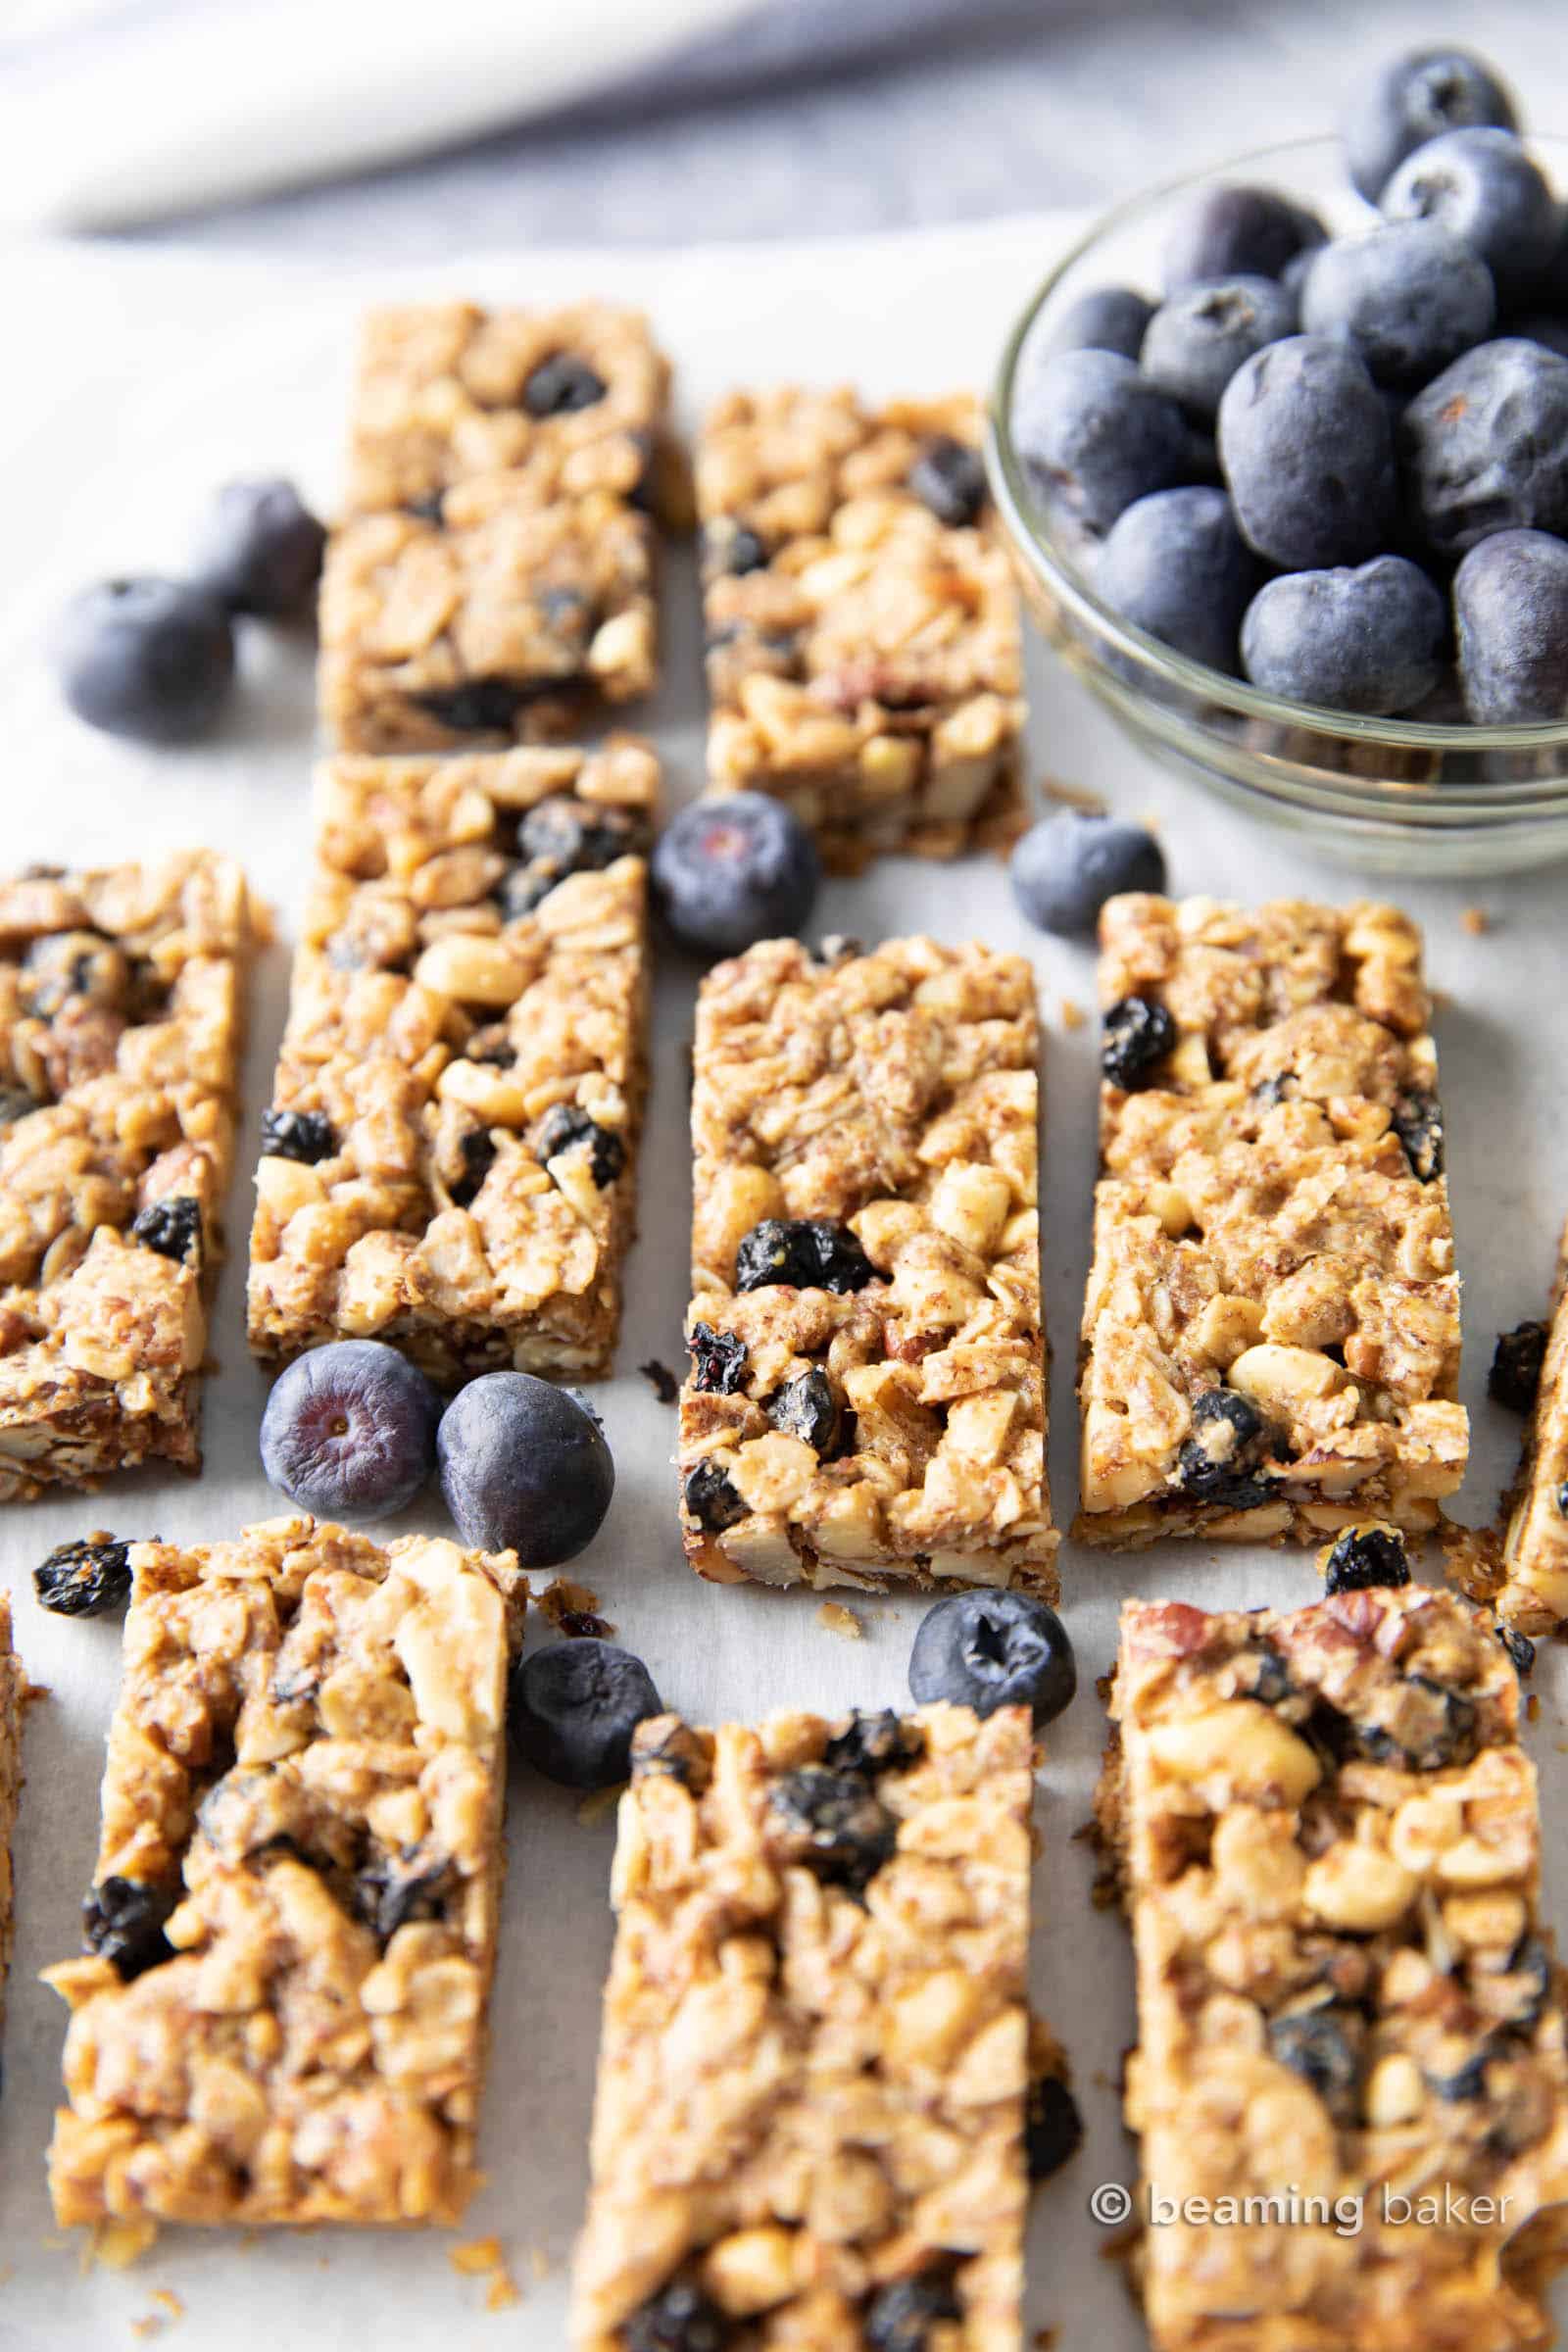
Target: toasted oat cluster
pixel 1329 1845
pixel 291 1931
pixel 13 1694
pixel 120 1021
pixel 1271 1330
pixel 1530 1588
pixel 863 656
pixel 810 2121
pixel 865 1403
pixel 449 1163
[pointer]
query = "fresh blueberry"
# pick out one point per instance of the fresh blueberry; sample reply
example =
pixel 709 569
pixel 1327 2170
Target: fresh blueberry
pixel 1307 451
pixel 1109 319
pixel 1369 640
pixel 1485 447
pixel 994 1649
pixel 730 870
pixel 1418 97
pixel 574 1709
pixel 1410 298
pixel 1232 231
pixel 1065 868
pixel 1484 186
pixel 1176 565
pixel 1095 434
pixel 524 1468
pixel 150 658
pixel 349 1431
pixel 1510 609
pixel 1198 338
pixel 259 549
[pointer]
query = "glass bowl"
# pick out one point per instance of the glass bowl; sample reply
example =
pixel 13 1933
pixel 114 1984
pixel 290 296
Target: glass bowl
pixel 1381 793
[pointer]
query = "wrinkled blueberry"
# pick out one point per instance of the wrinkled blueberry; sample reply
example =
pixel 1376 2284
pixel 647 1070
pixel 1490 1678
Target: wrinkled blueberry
pixel 1315 2044
pixel 561 386
pixel 574 1709
pixel 259 549
pixel 900 2316
pixel 1510 609
pixel 524 1468
pixel 565 1125
pixel 1466 2082
pixel 808 1407
pixel 1199 336
pixel 949 478
pixel 1366 1556
pixel 83 1580
pixel 990 1650
pixel 1369 640
pixel 733 547
pixel 1096 434
pixel 1520 1648
pixel 873 1743
pixel 1053 2128
pixel 1136 1034
pixel 1065 867
pixel 150 658
pixel 1408 298
pixel 1233 231
pixel 122 1922
pixel 349 1431
pixel 1481 184
pixel 396 1889
pixel 730 870
pixel 479 707
pixel 172 1226
pixel 832 1821
pixel 1176 565
pixel 718 1360
pixel 476 1149
pixel 1416 97
pixel 1307 455
pixel 1271 1674
pixel 1417 1122
pixel 1215 1463
pixel 1531 1968
pixel 307 1136
pixel 1516 1366
pixel 710 1499
pixel 1485 447
pixel 678 2318
pixel 1108 319
pixel 808 1254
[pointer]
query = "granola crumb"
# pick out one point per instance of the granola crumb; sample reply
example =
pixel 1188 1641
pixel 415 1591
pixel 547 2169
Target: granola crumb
pixel 166 2300
pixel 1045 2337
pixel 1072 796
pixel 1476 920
pixel 573 1611
pixel 593 1808
pixel 503 2292
pixel 477 2256
pixel 837 1619
pixel 1533 1707
pixel 662 1380
pixel 1073 1015
pixel 116 2245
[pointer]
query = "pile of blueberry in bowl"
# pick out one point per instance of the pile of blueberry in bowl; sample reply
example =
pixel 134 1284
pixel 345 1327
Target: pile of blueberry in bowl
pixel 1282 451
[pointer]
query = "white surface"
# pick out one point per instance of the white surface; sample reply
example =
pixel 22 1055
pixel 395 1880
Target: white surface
pixel 145 382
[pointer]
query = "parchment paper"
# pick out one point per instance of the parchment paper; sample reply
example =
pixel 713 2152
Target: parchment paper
pixel 136 383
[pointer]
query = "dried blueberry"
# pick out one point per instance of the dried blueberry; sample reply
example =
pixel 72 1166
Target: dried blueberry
pixel 307 1136
pixel 575 1707
pixel 1315 2044
pixel 1531 1968
pixel 479 706
pixel 558 837
pixel 1366 1556
pixel 808 1407
pixel 994 1649
pixel 1437 1725
pixel 395 1889
pixel 949 478
pixel 16 1103
pixel 122 1922
pixel 710 1499
pixel 674 1756
pixel 678 2318
pixel 718 1360
pixel 172 1226
pixel 873 1743
pixel 1466 2082
pixel 567 1125
pixel 1516 1365
pixel 662 1380
pixel 561 385
pixel 833 1822
pixel 430 508
pixel 476 1149
pixel 808 1254
pixel 1053 2128
pixel 1228 1435
pixel 899 2318
pixel 83 1580
pixel 1417 1122
pixel 1520 1648
pixel 1138 1034
pixel 734 547
pixel 1271 1674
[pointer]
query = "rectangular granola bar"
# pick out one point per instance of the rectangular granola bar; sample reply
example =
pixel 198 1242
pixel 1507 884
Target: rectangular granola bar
pixel 867 1403
pixel 863 652
pixel 449 1163
pixel 1350 2081
pixel 120 1020
pixel 494 579
pixel 1533 1592
pixel 292 1925
pixel 13 1694
pixel 809 2119
pixel 1271 1329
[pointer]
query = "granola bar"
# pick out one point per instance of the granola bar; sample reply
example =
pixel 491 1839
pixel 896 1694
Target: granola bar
pixel 449 1163
pixel 120 1018
pixel 13 1694
pixel 291 1931
pixel 809 2119
pixel 1271 1329
pixel 1532 1592
pixel 1348 2011
pixel 865 1403
pixel 863 655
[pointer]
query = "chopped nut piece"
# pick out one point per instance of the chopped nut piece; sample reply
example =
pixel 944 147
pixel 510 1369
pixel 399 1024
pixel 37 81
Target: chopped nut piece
pixel 1476 921
pixel 837 1619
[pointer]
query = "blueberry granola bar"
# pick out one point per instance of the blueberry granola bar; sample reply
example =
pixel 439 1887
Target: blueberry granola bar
pixel 863 658
pixel 866 1402
pixel 810 2121
pixel 449 1163
pixel 120 1018
pixel 1271 1329
pixel 280 2017
pixel 1349 2012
